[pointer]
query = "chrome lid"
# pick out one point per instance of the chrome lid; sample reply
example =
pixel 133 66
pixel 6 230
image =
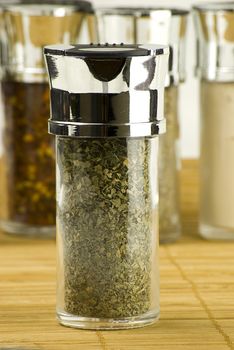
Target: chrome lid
pixel 107 90
pixel 31 26
pixel 57 8
pixel 215 6
pixel 163 26
pixel 214 23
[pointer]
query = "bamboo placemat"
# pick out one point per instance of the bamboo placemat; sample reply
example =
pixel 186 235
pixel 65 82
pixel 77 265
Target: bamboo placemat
pixel 197 294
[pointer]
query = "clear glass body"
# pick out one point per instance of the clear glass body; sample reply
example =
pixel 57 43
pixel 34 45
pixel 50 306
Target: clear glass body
pixel 107 232
pixel 27 161
pixel 217 160
pixel 169 166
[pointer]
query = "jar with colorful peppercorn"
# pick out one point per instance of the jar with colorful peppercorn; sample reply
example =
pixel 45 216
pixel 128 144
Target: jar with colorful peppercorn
pixel 27 157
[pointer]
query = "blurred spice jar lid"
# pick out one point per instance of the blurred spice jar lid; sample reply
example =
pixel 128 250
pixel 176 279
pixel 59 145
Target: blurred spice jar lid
pixel 214 24
pixel 140 25
pixel 29 26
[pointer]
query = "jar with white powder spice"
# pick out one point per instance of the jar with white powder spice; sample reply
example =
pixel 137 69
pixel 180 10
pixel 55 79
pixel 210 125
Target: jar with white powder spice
pixel 215 68
pixel 164 26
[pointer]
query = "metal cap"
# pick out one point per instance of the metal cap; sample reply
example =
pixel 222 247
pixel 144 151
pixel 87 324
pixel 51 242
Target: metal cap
pixel 162 26
pixel 31 26
pixel 214 23
pixel 107 90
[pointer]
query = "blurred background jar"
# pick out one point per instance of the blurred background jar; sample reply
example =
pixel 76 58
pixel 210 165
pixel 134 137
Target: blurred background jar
pixel 27 152
pixel 215 67
pixel 166 27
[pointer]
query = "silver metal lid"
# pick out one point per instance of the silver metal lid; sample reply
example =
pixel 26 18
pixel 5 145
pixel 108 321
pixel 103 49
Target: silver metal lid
pixel 31 26
pixel 57 8
pixel 107 90
pixel 162 26
pixel 215 6
pixel 214 23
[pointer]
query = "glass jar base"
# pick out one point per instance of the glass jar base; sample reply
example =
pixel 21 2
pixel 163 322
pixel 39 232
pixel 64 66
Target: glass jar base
pixel 169 237
pixel 69 320
pixel 27 230
pixel 218 233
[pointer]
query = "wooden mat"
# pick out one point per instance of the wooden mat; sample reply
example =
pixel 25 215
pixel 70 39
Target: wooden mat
pixel 197 294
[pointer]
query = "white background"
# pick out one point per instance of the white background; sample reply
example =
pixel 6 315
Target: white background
pixel 189 91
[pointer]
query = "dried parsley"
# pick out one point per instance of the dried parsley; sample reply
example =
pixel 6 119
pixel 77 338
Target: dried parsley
pixel 107 225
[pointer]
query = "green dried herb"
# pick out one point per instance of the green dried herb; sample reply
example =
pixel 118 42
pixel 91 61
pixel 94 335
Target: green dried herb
pixel 107 210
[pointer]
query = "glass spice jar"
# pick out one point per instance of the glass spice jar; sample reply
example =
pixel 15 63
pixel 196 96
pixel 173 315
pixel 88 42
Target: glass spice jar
pixel 27 154
pixel 106 125
pixel 167 27
pixel 215 68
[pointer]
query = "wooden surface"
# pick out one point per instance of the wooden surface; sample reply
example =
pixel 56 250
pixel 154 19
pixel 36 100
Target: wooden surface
pixel 197 294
